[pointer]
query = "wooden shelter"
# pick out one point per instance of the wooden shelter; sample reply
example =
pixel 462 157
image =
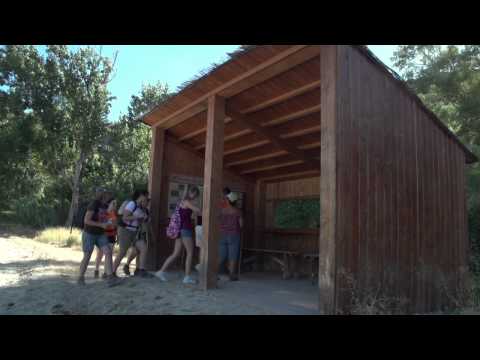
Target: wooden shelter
pixel 271 119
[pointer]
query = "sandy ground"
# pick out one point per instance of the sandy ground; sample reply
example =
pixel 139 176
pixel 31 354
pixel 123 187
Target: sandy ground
pixel 37 278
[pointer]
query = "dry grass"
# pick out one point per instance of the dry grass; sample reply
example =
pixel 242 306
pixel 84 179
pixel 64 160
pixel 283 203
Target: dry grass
pixel 371 300
pixel 60 236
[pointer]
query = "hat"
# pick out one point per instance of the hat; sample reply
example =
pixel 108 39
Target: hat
pixel 232 197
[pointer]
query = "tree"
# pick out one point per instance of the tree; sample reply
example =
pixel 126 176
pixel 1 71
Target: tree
pixel 125 157
pixel 57 105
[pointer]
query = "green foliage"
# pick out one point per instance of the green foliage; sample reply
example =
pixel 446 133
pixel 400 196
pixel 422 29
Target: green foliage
pixel 54 136
pixel 39 213
pixel 297 214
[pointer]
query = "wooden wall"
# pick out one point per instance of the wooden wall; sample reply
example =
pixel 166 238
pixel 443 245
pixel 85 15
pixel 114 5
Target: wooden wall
pixel 178 161
pixel 401 224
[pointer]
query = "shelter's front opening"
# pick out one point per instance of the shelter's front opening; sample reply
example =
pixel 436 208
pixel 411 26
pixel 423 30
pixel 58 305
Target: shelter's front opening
pixel 283 257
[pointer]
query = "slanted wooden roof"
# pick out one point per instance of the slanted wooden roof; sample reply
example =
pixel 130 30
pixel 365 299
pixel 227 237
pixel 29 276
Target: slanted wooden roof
pixel 272 131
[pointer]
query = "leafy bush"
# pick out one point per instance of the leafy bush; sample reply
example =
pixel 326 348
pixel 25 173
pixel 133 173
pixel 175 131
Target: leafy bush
pixel 297 214
pixel 60 236
pixel 40 213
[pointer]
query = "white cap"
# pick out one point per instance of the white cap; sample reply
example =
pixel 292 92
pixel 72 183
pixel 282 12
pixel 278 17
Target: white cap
pixel 232 197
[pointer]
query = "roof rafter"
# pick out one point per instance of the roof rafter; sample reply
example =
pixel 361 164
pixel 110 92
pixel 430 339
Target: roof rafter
pixel 276 65
pixel 299 154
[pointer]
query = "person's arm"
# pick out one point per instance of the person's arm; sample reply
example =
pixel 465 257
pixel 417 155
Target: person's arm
pixel 240 220
pixel 189 205
pixel 128 215
pixel 87 220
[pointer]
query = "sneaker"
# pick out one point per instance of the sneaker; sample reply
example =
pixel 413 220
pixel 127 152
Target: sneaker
pixel 81 281
pixel 189 280
pixel 233 277
pixel 96 274
pixel 161 276
pixel 197 267
pixel 113 281
pixel 104 276
pixel 136 272
pixel 126 270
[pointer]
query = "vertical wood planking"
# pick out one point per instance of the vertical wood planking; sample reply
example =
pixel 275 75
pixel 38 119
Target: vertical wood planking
pixel 213 180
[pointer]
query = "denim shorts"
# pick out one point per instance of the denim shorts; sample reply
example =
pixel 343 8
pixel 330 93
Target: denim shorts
pixel 229 247
pixel 186 233
pixel 90 240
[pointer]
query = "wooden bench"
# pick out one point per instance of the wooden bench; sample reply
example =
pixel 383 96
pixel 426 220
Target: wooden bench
pixel 287 260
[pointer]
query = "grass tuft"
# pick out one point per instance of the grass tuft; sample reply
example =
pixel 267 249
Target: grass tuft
pixel 60 236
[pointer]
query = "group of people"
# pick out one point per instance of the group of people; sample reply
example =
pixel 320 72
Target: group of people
pixel 105 225
pixel 230 230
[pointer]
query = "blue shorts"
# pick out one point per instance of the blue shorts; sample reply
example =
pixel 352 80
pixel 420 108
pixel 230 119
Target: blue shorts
pixel 229 247
pixel 90 240
pixel 186 233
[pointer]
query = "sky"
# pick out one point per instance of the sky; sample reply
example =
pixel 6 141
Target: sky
pixel 171 65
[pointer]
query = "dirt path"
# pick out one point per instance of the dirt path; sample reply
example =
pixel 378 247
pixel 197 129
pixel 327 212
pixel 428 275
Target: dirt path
pixel 37 278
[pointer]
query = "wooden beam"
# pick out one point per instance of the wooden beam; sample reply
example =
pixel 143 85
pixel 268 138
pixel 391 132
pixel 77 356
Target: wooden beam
pixel 212 188
pixel 272 138
pixel 278 64
pixel 283 97
pixel 265 105
pixel 201 155
pixel 199 131
pixel 327 240
pixel 288 170
pixel 272 166
pixel 273 163
pixel 266 152
pixel 277 122
pixel 298 176
pixel 155 183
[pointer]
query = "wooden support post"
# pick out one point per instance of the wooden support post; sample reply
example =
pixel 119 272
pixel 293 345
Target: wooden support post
pixel 259 219
pixel 327 253
pixel 212 191
pixel 155 189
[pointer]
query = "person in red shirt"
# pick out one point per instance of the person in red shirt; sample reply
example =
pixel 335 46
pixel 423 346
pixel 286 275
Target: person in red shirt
pixel 110 231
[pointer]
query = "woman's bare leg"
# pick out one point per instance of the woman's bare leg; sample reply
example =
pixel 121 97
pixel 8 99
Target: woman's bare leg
pixel 188 243
pixel 98 260
pixel 176 253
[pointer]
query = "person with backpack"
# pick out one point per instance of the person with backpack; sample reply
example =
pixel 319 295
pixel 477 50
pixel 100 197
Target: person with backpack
pixel 141 235
pixel 133 215
pixel 111 231
pixel 181 229
pixel 93 234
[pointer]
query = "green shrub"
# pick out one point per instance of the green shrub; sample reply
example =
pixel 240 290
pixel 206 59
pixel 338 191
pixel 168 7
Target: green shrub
pixel 39 213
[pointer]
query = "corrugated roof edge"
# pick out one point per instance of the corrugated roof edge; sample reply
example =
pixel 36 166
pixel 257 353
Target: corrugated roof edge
pixel 203 73
pixel 470 156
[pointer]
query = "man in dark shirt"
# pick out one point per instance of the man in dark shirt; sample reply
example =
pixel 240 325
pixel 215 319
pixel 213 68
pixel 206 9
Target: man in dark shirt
pixel 94 234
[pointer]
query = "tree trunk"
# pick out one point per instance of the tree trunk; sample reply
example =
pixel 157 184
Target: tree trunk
pixel 75 189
